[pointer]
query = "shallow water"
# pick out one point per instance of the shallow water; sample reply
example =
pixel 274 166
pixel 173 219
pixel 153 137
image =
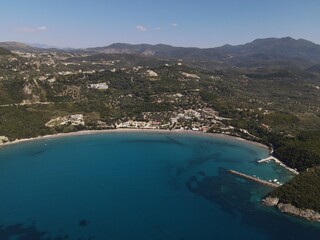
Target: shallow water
pixel 140 186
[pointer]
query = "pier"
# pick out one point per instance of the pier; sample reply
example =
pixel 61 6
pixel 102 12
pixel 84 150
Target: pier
pixel 254 179
pixel 268 159
pixel 272 158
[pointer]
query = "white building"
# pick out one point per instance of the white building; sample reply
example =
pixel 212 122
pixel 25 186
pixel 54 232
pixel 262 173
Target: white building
pixel 100 86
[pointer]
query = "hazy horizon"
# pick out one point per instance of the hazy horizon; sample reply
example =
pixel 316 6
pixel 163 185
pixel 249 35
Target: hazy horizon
pixel 204 24
pixel 43 45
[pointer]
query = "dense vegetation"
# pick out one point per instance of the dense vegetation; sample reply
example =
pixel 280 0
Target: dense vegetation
pixel 303 191
pixel 301 152
pixel 4 51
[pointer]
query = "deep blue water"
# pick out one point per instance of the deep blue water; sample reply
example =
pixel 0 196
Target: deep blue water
pixel 140 186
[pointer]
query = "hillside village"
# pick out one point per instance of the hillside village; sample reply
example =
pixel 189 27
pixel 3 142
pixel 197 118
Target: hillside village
pixel 49 69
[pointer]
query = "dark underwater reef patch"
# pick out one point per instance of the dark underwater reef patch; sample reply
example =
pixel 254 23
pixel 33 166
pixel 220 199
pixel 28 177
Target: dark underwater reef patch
pixel 233 196
pixel 20 231
pixel 83 223
pixel 230 193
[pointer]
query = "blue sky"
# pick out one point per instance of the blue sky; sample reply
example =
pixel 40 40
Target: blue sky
pixel 201 23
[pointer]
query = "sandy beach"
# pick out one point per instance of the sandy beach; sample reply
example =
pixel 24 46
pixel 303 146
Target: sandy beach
pixel 159 131
pixel 90 132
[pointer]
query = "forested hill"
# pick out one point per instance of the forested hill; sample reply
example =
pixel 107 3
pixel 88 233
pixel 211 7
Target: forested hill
pixel 4 51
pixel 303 191
pixel 260 52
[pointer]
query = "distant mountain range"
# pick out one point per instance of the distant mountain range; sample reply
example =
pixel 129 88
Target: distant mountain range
pixel 17 46
pixel 27 47
pixel 258 53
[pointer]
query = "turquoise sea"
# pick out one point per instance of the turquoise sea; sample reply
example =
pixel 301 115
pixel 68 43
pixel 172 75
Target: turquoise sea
pixel 121 186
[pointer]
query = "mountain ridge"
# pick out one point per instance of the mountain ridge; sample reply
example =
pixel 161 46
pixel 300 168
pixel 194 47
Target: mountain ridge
pixel 285 51
pixel 264 50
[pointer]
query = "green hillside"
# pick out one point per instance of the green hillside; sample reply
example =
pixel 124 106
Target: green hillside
pixel 3 51
pixel 303 191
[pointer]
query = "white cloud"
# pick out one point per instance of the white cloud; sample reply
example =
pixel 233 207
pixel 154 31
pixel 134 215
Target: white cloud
pixel 43 28
pixel 141 28
pixel 158 28
pixel 174 24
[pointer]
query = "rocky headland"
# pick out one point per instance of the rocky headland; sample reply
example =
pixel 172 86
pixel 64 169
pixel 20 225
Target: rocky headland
pixel 291 209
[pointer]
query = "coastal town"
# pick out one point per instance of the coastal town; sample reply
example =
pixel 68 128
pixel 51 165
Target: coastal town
pixel 76 76
pixel 195 120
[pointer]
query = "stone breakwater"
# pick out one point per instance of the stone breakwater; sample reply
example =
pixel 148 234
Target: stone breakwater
pixel 254 179
pixel 291 209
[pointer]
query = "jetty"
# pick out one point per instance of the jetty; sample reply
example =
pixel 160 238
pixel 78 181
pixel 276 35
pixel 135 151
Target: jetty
pixel 272 158
pixel 268 159
pixel 254 179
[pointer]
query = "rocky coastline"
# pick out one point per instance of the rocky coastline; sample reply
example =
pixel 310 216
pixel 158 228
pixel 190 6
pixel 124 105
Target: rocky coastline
pixel 291 209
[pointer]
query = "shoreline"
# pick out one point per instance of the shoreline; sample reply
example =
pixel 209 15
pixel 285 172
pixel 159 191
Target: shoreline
pixel 290 209
pixel 277 161
pixel 131 130
pixel 159 131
